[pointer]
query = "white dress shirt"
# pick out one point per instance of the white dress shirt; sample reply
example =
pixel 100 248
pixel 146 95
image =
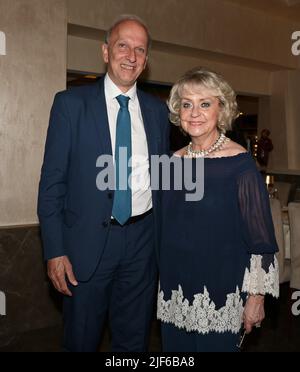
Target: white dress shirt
pixel 140 183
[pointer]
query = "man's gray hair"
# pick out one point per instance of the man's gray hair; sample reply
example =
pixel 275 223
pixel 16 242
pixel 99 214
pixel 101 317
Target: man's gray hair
pixel 124 18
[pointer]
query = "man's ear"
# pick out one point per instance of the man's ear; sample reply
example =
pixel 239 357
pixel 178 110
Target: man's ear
pixel 105 52
pixel 146 62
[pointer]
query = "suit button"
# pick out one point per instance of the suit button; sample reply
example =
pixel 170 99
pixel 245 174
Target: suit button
pixel 105 224
pixel 110 196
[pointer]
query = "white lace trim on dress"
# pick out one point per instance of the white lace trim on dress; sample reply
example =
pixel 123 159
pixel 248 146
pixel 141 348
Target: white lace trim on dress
pixel 257 281
pixel 201 316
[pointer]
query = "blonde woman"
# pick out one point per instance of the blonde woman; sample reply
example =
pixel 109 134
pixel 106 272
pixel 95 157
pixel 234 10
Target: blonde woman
pixel 217 258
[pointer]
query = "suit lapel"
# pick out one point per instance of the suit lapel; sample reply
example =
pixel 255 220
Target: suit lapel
pixel 99 109
pixel 149 123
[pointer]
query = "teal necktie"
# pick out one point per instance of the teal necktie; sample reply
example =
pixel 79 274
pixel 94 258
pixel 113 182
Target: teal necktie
pixel 122 206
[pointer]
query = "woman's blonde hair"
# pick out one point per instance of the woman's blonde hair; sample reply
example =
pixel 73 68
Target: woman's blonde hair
pixel 197 79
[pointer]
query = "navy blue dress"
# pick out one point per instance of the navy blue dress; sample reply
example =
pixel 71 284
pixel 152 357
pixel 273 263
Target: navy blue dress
pixel 214 252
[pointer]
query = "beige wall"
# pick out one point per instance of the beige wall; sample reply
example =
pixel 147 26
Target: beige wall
pixel 278 123
pixel 264 120
pixel 31 72
pixel 293 119
pixel 281 112
pixel 252 50
pixel 166 66
pixel 234 40
pixel 209 25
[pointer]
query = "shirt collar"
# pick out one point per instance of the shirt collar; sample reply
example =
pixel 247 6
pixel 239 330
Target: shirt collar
pixel 112 91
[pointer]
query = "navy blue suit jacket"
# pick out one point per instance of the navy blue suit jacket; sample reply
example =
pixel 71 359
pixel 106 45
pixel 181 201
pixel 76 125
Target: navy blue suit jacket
pixel 74 215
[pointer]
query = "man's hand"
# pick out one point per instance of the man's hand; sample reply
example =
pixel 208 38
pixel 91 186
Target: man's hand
pixel 254 312
pixel 58 269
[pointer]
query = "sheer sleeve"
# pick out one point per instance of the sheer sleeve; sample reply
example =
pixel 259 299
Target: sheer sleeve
pixel 262 275
pixel 257 223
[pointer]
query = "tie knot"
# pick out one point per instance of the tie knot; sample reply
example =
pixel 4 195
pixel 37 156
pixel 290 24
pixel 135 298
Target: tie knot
pixel 123 101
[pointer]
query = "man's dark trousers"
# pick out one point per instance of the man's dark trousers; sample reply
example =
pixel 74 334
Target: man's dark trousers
pixel 124 286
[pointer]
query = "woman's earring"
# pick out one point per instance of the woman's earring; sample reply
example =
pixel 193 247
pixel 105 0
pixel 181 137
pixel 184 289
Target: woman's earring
pixel 221 127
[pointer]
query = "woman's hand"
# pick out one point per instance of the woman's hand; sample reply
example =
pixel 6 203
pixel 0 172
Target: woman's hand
pixel 254 312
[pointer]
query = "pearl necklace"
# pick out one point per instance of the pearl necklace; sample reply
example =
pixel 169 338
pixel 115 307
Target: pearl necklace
pixel 220 142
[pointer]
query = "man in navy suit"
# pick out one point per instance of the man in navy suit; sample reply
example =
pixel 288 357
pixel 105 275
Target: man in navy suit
pixel 101 249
